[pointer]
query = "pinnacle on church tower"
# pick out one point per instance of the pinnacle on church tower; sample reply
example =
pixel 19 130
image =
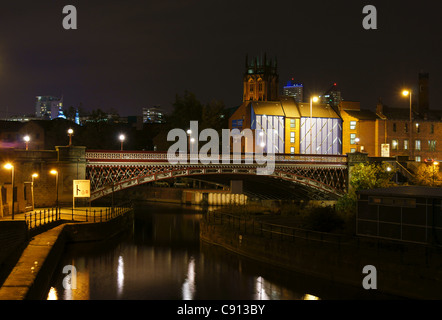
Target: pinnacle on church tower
pixel 260 79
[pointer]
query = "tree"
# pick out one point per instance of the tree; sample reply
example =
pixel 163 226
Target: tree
pixel 185 109
pixel 364 176
pixel 428 175
pixel 371 175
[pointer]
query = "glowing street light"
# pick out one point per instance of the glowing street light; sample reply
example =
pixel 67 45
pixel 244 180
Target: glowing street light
pixel 33 176
pixel 26 138
pixel 55 172
pixel 70 134
pixel 122 138
pixel 9 166
pixel 409 93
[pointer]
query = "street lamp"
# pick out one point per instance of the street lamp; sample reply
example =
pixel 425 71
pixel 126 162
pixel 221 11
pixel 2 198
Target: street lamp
pixel 33 176
pixel 70 134
pixel 312 99
pixel 9 166
pixel 409 93
pixel 435 163
pixel 26 138
pixel 122 138
pixel 357 144
pixel 55 172
pixel 189 132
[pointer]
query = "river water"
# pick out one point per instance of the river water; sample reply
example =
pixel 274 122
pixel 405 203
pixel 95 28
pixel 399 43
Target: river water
pixel 162 258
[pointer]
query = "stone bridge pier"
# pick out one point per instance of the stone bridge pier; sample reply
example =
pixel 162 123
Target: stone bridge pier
pixel 41 191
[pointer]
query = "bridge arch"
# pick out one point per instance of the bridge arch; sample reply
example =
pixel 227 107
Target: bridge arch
pixel 325 176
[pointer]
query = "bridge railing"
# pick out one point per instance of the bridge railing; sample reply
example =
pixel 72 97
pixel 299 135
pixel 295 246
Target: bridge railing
pixel 40 218
pixel 273 231
pixel 101 155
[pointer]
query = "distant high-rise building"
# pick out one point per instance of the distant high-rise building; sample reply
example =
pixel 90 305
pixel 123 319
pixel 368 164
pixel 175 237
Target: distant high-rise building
pixel 295 90
pixel 48 107
pixel 153 115
pixel 332 96
pixel 260 80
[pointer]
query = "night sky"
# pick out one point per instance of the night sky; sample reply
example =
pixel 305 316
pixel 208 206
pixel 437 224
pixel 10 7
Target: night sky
pixel 132 54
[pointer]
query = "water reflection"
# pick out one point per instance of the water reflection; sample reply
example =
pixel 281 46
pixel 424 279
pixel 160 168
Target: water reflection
pixel 189 283
pixel 163 259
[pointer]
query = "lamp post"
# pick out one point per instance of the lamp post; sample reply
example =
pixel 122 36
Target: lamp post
pixel 26 138
pixel 122 138
pixel 312 99
pixel 70 134
pixel 435 163
pixel 409 93
pixel 189 132
pixel 9 166
pixel 33 176
pixel 55 172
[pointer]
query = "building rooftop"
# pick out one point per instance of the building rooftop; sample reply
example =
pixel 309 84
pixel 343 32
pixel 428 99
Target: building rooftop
pixel 406 191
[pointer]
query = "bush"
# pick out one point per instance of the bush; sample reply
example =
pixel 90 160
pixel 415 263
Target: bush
pixel 324 219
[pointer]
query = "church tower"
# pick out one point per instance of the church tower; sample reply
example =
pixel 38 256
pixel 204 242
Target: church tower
pixel 260 80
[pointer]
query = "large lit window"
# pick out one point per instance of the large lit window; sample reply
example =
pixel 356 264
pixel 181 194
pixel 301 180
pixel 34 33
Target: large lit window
pixel 417 158
pixel 432 145
pixel 292 149
pixel 352 125
pixel 406 144
pixel 292 137
pixel 417 145
pixel 292 123
pixel 394 144
pixel 352 138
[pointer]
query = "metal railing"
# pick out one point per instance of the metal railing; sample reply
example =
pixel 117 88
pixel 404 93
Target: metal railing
pixel 252 226
pixel 43 217
pixel 39 218
pixel 97 155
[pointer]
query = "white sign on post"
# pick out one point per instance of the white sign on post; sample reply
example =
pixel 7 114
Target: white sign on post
pixel 385 150
pixel 82 188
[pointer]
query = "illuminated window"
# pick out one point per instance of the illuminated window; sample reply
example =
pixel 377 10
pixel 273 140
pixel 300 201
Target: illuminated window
pixel 292 137
pixel 352 150
pixel 292 149
pixel 418 128
pixel 405 144
pixel 432 145
pixel 352 125
pixel 352 138
pixel 417 145
pixel 394 144
pixel 292 123
pixel 417 158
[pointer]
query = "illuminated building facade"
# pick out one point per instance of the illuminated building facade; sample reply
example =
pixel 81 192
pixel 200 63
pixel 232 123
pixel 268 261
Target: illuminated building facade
pixel 295 90
pixel 48 107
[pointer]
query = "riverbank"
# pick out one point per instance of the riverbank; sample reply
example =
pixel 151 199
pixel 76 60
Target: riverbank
pixel 32 273
pixel 404 270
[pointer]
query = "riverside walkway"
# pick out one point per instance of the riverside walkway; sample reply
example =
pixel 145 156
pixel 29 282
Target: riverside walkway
pixel 48 232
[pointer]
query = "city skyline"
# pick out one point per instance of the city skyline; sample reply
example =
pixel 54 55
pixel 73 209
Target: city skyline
pixel 129 56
